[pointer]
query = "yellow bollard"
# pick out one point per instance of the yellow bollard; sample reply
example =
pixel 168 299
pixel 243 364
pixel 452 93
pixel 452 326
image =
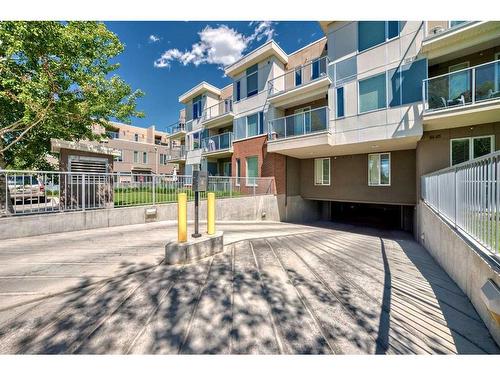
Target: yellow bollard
pixel 182 217
pixel 211 213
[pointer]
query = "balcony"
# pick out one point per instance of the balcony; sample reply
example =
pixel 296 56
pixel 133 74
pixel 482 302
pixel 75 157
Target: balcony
pixel 177 130
pixel 218 145
pixel 301 84
pixel 113 134
pixel 465 97
pixel 177 153
pixel 301 134
pixel 218 114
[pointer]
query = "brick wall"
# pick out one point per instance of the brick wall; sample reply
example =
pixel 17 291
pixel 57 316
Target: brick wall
pixel 269 164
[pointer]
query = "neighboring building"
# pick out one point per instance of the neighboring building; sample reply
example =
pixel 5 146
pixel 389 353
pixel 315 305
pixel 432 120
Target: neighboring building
pixel 348 124
pixel 142 150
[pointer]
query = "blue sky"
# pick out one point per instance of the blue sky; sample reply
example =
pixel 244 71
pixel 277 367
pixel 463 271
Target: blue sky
pixel 165 59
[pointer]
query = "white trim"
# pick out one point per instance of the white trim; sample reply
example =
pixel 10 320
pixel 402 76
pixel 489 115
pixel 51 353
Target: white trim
pixel 322 176
pixel 379 169
pixel 471 145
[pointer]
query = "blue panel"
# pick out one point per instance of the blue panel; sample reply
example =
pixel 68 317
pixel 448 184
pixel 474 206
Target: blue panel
pixel 340 102
pixel 412 76
pixel 370 33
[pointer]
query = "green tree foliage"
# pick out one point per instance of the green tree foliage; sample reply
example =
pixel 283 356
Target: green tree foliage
pixel 56 81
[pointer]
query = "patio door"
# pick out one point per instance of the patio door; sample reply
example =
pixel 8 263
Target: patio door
pixel 302 121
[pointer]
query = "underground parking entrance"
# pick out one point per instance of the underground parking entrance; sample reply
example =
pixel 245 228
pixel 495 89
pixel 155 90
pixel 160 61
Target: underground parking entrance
pixel 380 216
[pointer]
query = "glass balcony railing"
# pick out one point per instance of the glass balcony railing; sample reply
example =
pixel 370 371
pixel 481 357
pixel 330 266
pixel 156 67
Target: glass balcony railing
pixel 465 87
pixel 303 123
pixel 299 76
pixel 217 142
pixel 176 152
pixel 221 108
pixel 176 127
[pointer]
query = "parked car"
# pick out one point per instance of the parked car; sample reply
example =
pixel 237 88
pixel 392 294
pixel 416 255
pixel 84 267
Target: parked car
pixel 22 188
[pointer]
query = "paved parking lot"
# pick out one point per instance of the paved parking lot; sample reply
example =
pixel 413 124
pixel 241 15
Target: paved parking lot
pixel 277 288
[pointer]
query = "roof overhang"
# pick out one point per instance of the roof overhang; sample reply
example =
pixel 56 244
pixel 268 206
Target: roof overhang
pixel 83 146
pixel 324 26
pixel 197 90
pixel 271 48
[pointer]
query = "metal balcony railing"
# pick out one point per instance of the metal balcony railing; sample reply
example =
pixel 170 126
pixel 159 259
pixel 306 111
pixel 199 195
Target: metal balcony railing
pixel 307 122
pixel 217 142
pixel 467 196
pixel 221 108
pixel 176 127
pixel 113 134
pixel 299 76
pixel 464 87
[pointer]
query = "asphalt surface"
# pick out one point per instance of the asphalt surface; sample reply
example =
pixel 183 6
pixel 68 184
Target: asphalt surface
pixel 277 288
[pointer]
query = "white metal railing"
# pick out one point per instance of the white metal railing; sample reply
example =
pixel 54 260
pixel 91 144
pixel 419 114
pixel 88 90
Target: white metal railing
pixel 461 88
pixel 307 122
pixel 220 108
pixel 217 142
pixel 299 76
pixel 467 195
pixel 35 192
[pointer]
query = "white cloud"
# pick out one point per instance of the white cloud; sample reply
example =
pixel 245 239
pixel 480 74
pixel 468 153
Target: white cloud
pixel 220 45
pixel 153 38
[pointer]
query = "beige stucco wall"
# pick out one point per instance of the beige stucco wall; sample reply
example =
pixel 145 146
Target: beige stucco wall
pixel 349 180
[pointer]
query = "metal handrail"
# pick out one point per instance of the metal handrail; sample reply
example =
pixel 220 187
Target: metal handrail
pixel 176 127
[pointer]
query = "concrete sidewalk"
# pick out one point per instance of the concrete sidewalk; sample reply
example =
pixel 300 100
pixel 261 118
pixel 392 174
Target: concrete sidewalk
pixel 277 288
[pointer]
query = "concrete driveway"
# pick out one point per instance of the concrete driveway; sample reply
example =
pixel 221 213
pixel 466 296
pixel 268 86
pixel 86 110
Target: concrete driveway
pixel 277 288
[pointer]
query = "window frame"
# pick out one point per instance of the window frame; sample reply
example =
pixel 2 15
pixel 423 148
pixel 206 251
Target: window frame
pixel 199 108
pixel 359 101
pixel 136 157
pixel 260 126
pixel 247 177
pixel 238 171
pixel 471 146
pixel 238 90
pixel 299 72
pixel 379 154
pixel 118 158
pixel 136 137
pixel 144 157
pixel 256 73
pixel 322 170
pixel 337 102
pixel 386 36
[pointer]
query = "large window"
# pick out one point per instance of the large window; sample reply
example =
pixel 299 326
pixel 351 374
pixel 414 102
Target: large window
pixel 464 149
pixel 197 107
pixel 255 124
pixel 372 93
pixel 298 76
pixel 372 33
pixel 322 171
pixel 340 102
pixel 238 90
pixel 404 84
pixel 252 170
pixel 145 158
pixel 379 169
pixel 136 156
pixel 119 157
pixel 252 80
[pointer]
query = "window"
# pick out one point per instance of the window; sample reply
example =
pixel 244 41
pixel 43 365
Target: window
pixel 404 84
pixel 459 82
pixel 379 169
pixel 340 102
pixel 298 76
pixel 255 124
pixel 119 157
pixel 136 137
pixel 372 33
pixel 464 149
pixel 252 80
pixel 372 93
pixel 238 172
pixel 315 69
pixel 456 23
pixel 238 90
pixel 136 156
pixel 197 107
pixel 252 170
pixel 322 171
pixel 145 158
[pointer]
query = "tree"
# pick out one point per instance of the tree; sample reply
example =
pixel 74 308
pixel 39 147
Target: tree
pixel 56 81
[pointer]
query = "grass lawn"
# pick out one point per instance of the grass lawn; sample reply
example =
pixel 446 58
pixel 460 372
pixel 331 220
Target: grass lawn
pixel 128 197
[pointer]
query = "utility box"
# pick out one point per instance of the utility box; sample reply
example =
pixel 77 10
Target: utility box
pixel 200 181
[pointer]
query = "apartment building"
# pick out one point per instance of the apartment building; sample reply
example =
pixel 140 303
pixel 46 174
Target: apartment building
pixel 142 150
pixel 348 124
